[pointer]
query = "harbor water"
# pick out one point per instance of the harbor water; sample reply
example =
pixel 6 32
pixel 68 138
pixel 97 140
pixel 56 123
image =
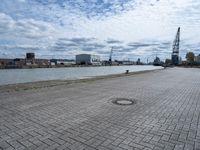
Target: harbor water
pixel 13 76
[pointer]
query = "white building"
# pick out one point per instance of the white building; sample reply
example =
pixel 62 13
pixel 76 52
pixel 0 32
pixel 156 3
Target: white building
pixel 66 62
pixel 87 59
pixel 197 59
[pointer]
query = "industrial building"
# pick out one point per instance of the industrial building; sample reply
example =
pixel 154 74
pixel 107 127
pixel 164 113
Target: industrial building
pixel 62 62
pixel 28 62
pixel 30 58
pixel 197 59
pixel 87 59
pixel 30 55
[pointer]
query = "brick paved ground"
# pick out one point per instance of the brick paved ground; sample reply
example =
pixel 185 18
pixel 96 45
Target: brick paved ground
pixel 81 116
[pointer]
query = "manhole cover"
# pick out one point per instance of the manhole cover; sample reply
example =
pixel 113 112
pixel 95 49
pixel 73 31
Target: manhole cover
pixel 123 101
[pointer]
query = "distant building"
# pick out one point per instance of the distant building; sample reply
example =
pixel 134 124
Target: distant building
pixel 19 62
pixel 7 63
pixel 87 59
pixel 197 59
pixel 107 63
pixel 42 62
pixel 180 61
pixel 127 62
pixel 30 55
pixel 30 59
pixel 175 59
pixel 138 62
pixel 65 62
pixel 28 62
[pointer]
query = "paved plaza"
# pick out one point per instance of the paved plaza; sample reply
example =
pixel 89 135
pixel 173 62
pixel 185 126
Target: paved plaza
pixel 165 115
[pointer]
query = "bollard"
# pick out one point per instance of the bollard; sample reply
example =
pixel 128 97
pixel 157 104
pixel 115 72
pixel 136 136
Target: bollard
pixel 127 71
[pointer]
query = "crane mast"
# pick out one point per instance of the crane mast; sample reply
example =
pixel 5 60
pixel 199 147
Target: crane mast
pixel 175 48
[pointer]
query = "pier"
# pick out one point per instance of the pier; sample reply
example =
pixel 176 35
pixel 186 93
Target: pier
pixel 162 114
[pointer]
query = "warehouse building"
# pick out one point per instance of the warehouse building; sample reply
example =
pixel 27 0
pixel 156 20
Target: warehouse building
pixel 87 59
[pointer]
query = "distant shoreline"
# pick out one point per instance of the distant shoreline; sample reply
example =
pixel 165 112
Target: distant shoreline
pixel 189 66
pixel 66 66
pixel 52 83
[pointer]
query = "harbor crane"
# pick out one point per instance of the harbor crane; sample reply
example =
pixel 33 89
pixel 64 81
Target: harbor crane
pixel 175 50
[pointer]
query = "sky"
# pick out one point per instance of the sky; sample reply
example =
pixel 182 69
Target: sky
pixel 63 28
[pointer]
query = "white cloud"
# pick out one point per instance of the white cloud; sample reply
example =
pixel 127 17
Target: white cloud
pixel 42 24
pixel 25 28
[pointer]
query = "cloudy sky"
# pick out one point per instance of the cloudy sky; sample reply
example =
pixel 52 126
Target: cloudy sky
pixel 64 28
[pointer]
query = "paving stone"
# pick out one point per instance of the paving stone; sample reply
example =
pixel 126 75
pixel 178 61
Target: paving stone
pixel 81 115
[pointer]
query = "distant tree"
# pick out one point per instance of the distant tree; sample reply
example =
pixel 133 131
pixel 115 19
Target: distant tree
pixel 190 57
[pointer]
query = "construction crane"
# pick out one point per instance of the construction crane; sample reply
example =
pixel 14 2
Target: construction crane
pixel 175 48
pixel 110 58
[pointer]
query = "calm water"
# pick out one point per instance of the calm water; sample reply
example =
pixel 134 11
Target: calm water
pixel 12 76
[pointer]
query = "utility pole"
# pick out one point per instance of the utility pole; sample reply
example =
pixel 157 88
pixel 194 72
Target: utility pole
pixel 110 58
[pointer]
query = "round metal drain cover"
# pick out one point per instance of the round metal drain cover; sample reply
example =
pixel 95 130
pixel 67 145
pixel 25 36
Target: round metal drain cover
pixel 123 101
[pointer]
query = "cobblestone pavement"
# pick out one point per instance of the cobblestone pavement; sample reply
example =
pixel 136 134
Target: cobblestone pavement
pixel 82 116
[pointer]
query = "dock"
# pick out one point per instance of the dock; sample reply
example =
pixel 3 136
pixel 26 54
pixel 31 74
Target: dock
pixel 156 110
